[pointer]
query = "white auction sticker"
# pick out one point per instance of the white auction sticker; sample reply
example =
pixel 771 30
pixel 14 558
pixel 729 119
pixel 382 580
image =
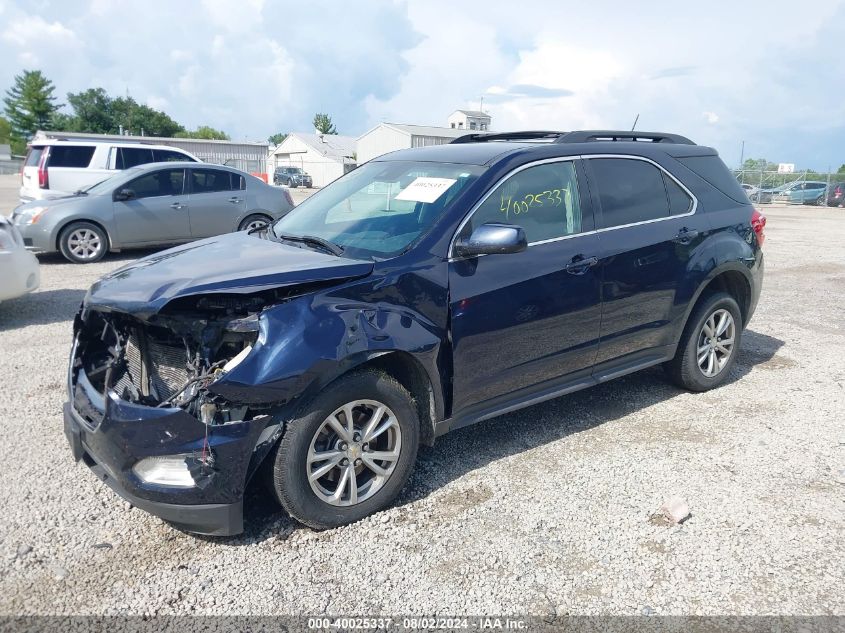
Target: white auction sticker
pixel 425 189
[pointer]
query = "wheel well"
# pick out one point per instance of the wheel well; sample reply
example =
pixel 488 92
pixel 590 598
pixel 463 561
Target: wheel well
pixel 411 375
pixel 733 283
pixel 80 221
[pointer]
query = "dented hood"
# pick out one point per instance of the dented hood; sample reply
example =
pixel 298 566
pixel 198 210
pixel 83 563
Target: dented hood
pixel 231 263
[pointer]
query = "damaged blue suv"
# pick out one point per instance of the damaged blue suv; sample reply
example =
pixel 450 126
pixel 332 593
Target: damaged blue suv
pixel 429 289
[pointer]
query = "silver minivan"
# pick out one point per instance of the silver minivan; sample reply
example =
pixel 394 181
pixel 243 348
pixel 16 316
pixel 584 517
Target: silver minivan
pixel 56 167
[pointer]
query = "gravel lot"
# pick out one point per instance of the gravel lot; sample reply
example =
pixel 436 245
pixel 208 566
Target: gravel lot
pixel 544 511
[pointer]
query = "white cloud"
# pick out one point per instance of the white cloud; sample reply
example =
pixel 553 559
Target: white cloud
pixel 256 67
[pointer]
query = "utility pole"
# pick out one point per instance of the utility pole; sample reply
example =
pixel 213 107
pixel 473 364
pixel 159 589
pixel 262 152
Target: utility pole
pixel 481 105
pixel 742 162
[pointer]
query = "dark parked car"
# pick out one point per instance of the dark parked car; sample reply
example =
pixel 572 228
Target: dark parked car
pixel 149 205
pixel 427 290
pixel 292 177
pixel 836 197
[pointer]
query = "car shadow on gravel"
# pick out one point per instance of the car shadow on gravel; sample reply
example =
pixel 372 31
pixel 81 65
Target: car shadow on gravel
pixel 473 447
pixel 40 308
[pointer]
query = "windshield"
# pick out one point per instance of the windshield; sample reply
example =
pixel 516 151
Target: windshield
pixel 379 209
pixel 107 185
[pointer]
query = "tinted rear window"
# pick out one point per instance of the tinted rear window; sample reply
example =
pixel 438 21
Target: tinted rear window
pixel 34 156
pixel 630 191
pixel 167 155
pixel 679 200
pixel 70 155
pixel 211 180
pixel 713 170
pixel 133 156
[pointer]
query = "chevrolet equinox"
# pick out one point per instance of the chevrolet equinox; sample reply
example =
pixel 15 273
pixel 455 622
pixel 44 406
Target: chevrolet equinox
pixel 427 290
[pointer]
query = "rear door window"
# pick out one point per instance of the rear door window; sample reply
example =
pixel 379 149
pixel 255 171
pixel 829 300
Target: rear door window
pixel 679 200
pixel 71 155
pixel 133 156
pixel 163 182
pixel 211 180
pixel 630 191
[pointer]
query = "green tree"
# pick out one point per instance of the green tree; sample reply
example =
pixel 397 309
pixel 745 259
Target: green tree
pixel 204 132
pixel 30 104
pixel 92 112
pixel 841 169
pixel 141 119
pixel 277 138
pixel 323 124
pixel 5 131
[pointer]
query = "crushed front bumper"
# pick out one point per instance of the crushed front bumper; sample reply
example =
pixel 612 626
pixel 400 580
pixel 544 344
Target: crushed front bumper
pixel 213 519
pixel 111 436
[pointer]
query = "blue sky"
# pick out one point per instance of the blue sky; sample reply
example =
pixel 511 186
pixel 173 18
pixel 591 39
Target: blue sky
pixel 718 72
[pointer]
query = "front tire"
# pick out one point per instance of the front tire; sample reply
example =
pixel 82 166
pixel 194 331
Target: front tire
pixel 349 452
pixel 83 243
pixel 709 345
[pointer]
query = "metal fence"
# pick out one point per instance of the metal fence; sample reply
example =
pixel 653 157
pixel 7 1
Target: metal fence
pixel 764 184
pixel 12 166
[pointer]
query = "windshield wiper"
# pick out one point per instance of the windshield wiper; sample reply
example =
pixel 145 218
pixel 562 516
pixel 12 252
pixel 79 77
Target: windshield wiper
pixel 80 192
pixel 313 240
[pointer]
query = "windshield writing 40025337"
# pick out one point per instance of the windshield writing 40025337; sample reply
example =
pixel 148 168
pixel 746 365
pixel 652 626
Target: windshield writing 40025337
pixel 517 205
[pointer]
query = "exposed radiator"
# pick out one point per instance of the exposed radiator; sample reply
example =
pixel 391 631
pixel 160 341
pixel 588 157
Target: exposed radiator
pixel 165 367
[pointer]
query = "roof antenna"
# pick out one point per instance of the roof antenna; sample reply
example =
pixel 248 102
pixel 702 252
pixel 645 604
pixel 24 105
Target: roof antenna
pixel 635 121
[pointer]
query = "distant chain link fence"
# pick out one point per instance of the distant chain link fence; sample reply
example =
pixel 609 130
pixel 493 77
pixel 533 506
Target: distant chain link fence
pixel 12 166
pixel 762 182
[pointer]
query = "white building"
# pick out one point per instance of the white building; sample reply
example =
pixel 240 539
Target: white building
pixel 389 137
pixel 324 157
pixel 470 120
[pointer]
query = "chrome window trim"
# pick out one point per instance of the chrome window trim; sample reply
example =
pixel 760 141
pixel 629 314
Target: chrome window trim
pixel 545 161
pixel 660 167
pixel 560 159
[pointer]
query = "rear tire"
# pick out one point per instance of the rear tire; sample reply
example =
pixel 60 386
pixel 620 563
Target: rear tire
pixel 310 439
pixel 706 352
pixel 254 221
pixel 83 243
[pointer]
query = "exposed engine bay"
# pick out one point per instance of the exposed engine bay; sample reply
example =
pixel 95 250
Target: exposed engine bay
pixel 172 358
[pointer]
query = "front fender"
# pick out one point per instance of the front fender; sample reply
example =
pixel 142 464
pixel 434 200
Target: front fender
pixel 307 342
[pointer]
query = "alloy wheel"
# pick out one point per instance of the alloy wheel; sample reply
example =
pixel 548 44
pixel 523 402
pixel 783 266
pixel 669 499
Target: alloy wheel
pixel 715 343
pixel 354 453
pixel 256 224
pixel 84 244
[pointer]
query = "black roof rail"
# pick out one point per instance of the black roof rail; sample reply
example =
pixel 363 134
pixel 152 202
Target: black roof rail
pixel 588 136
pixel 508 136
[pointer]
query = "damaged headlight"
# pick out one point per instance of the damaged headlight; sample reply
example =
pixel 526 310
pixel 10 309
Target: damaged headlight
pixel 175 471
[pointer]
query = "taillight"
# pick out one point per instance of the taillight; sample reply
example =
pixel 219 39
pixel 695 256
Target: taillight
pixel 758 223
pixel 837 191
pixel 43 179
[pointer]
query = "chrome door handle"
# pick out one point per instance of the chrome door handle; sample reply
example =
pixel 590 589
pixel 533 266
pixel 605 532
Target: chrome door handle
pixel 177 205
pixel 579 264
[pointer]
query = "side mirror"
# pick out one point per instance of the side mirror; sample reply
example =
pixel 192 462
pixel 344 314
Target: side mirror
pixel 492 239
pixel 124 194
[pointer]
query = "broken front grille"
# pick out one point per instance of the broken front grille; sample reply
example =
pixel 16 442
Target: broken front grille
pixel 153 368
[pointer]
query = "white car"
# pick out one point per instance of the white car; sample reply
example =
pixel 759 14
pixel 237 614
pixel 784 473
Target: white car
pixel 55 168
pixel 19 272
